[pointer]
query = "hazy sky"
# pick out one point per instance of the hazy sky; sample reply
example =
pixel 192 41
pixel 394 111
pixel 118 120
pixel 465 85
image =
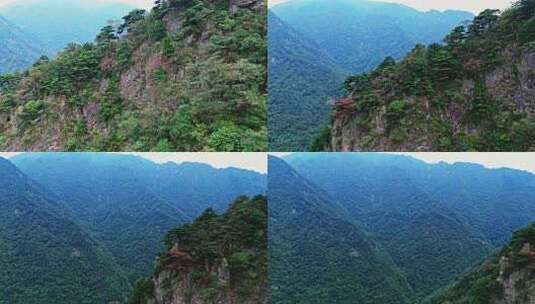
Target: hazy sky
pixel 520 161
pixel 137 3
pixel 250 161
pixel 475 6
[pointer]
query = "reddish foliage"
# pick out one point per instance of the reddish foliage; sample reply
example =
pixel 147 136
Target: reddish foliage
pixel 344 107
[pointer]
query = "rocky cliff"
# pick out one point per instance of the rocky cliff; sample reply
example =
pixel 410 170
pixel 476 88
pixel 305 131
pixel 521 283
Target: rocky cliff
pixel 507 278
pixel 475 92
pixel 188 75
pixel 217 259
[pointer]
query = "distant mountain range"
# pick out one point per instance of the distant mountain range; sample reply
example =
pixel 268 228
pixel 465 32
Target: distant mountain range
pixel 328 40
pixel 18 49
pixel 429 224
pixel 44 27
pixel 97 220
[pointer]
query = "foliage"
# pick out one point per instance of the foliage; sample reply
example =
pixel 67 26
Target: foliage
pixel 213 84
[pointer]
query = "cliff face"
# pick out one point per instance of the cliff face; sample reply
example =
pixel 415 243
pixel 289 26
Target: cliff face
pixel 518 283
pixel 475 92
pixel 217 259
pixel 507 278
pixel 176 284
pixel 189 75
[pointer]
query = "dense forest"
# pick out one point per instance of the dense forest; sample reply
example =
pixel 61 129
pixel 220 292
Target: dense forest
pixel 318 254
pixel 474 92
pixel 188 75
pixel 507 277
pixel 213 259
pixel 447 218
pixel 103 215
pixel 45 254
pixel 314 44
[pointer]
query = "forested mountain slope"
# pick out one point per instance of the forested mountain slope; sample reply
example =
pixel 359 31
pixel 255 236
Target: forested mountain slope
pixel 219 259
pixel 57 23
pixel 355 36
pixel 302 77
pixel 446 217
pixel 18 49
pixel 189 75
pixel 130 202
pixel 318 254
pixel 46 256
pixel 475 92
pixel 507 277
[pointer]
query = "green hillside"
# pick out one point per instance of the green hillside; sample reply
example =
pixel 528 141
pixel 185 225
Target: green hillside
pixel 188 75
pixel 46 256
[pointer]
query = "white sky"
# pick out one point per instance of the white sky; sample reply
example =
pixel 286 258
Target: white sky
pixel 521 161
pixel 137 3
pixel 249 161
pixel 474 6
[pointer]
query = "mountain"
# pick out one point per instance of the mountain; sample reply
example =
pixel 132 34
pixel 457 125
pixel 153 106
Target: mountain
pixel 475 92
pixel 45 254
pixel 186 76
pixel 129 202
pixel 446 217
pixel 507 277
pixel 213 259
pixel 299 70
pixel 48 21
pixel 355 36
pixel 359 34
pixel 318 254
pixel 18 49
pixel 495 202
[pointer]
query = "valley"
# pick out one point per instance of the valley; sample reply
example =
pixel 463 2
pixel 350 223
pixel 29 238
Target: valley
pixel 381 228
